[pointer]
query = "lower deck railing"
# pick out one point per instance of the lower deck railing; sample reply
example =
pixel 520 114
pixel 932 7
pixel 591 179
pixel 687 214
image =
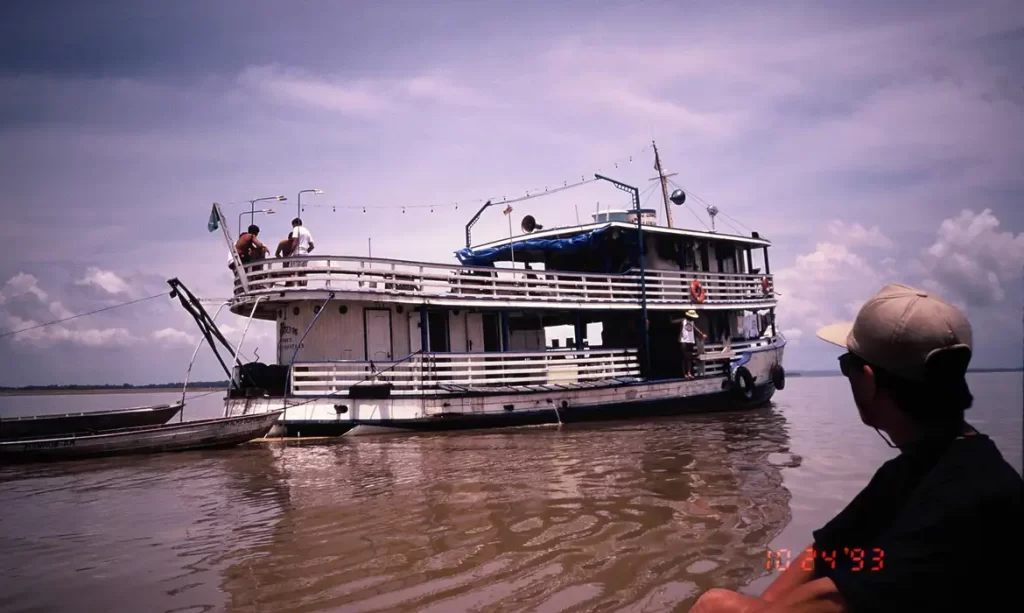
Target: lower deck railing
pixel 450 372
pixel 438 371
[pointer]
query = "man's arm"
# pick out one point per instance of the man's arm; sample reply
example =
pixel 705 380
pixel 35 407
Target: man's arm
pixel 815 596
pixel 701 332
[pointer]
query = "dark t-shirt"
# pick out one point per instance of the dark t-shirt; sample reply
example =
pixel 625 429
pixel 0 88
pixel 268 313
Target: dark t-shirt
pixel 936 529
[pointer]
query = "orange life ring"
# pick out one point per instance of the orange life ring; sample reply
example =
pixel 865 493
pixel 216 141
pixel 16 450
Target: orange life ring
pixel 697 291
pixel 765 285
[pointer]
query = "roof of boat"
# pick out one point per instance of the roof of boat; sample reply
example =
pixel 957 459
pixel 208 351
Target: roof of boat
pixel 575 230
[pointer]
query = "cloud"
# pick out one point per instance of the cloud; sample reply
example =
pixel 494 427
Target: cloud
pixel 365 98
pixel 972 258
pixel 174 337
pixel 822 285
pixel 857 235
pixel 969 264
pixel 21 284
pixel 105 280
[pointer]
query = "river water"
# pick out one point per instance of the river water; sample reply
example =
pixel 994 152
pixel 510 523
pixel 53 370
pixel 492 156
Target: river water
pixel 624 516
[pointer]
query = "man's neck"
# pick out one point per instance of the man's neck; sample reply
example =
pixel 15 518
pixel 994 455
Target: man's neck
pixel 916 436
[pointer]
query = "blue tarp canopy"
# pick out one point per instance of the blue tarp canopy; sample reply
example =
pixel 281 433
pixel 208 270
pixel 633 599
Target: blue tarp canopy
pixel 533 249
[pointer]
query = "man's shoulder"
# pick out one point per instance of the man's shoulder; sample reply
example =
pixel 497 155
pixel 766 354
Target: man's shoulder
pixel 972 479
pixel 976 464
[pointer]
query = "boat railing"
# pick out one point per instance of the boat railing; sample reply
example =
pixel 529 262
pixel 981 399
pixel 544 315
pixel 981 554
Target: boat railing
pixel 400 278
pixel 453 372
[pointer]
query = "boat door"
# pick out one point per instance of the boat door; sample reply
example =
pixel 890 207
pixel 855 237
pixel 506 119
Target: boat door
pixel 377 333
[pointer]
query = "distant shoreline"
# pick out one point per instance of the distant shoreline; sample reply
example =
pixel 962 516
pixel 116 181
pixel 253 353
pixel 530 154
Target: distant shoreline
pixel 207 387
pixel 836 373
pixel 100 390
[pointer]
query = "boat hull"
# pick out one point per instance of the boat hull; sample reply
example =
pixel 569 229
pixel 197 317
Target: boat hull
pixel 189 435
pixel 528 405
pixel 85 422
pixel 710 403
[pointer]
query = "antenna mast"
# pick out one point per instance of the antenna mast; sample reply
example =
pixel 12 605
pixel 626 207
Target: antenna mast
pixel 664 184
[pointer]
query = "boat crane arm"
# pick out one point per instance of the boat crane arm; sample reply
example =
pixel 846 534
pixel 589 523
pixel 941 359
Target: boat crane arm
pixel 206 325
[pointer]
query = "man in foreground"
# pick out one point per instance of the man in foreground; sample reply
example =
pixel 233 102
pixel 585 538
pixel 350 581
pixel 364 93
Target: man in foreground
pixel 938 527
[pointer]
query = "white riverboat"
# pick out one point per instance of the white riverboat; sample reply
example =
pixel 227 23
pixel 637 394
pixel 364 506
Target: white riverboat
pixel 554 325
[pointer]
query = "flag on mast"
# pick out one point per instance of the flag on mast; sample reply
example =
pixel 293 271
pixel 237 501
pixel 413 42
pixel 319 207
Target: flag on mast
pixel 214 223
pixel 508 209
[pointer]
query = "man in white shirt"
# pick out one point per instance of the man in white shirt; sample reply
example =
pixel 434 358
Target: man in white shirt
pixel 687 338
pixel 301 244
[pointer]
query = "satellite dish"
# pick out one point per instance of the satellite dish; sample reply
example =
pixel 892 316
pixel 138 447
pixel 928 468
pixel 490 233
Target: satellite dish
pixel 678 196
pixel 530 224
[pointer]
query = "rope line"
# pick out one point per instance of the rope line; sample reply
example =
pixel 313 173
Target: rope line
pixel 58 321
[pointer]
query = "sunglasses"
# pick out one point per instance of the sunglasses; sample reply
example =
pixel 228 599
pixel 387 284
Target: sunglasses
pixel 849 362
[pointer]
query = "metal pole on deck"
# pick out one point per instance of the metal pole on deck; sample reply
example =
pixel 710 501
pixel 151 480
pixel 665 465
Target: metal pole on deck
pixel 643 274
pixel 298 207
pixel 252 208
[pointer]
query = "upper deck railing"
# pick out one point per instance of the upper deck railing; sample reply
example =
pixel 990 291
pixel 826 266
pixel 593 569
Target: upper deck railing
pixel 405 281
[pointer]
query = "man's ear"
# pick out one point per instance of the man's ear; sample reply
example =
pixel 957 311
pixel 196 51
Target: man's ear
pixel 868 381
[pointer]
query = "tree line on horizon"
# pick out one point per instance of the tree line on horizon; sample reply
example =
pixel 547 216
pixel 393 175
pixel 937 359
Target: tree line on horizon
pixel 225 382
pixel 112 386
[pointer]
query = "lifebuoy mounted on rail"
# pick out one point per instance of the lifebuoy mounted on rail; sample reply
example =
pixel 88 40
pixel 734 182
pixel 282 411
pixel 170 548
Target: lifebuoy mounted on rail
pixel 743 383
pixel 766 286
pixel 697 292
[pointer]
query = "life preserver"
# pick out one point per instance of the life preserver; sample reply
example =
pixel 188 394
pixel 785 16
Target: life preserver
pixel 697 291
pixel 779 377
pixel 765 285
pixel 743 383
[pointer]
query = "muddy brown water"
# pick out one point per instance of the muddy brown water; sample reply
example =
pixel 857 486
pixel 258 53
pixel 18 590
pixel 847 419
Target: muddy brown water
pixel 617 516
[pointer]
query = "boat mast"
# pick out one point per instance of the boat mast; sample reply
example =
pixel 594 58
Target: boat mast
pixel 664 184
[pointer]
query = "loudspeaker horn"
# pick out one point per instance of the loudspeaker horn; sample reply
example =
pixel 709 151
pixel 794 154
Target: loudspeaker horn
pixel 530 224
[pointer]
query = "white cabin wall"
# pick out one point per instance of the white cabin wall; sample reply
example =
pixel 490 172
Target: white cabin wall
pixel 334 336
pixel 338 336
pixel 475 332
pixel 400 332
pixel 413 327
pixel 457 334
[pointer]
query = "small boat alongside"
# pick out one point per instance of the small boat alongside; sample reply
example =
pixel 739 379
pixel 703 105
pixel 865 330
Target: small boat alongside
pixel 189 435
pixel 89 422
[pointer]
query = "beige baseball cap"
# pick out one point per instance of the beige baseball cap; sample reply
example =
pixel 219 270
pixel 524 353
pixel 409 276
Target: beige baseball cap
pixel 902 329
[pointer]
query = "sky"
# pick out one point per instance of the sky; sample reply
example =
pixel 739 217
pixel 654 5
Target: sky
pixel 871 142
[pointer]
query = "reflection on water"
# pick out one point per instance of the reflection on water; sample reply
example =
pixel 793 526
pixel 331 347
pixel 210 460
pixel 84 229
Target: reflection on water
pixel 625 516
pixel 638 517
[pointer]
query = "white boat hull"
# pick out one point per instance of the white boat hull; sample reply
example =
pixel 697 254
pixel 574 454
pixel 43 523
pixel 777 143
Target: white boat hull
pixel 340 414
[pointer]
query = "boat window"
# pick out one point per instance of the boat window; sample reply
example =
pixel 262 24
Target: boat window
pixel 492 332
pixel 437 331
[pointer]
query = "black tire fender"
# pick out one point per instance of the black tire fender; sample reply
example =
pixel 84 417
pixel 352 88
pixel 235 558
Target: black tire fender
pixel 743 383
pixel 779 377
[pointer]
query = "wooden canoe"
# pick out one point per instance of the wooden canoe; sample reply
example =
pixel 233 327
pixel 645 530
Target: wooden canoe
pixel 87 422
pixel 200 434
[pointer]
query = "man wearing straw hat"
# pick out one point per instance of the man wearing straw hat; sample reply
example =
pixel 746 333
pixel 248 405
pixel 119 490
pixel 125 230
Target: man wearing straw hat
pixel 687 337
